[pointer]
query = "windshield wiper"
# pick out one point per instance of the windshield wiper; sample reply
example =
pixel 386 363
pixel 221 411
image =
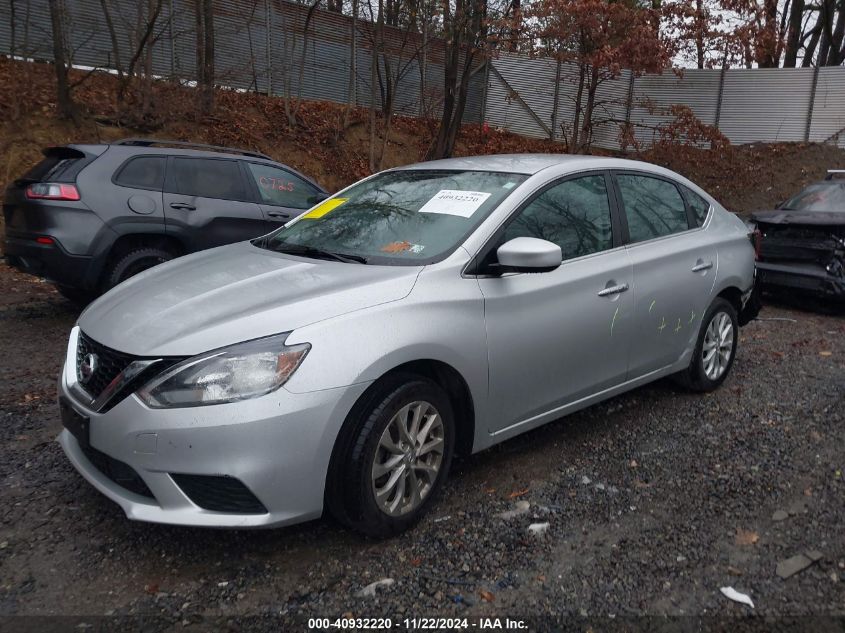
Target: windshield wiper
pixel 319 253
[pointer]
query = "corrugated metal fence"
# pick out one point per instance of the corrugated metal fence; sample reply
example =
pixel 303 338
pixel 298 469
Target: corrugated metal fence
pixel 746 105
pixel 260 46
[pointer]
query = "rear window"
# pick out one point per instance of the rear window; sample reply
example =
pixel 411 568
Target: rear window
pixel 208 178
pixel 143 172
pixel 654 207
pixel 700 207
pixel 828 196
pixel 58 165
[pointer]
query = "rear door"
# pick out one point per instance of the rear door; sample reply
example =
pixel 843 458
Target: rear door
pixel 281 194
pixel 207 202
pixel 557 337
pixel 674 264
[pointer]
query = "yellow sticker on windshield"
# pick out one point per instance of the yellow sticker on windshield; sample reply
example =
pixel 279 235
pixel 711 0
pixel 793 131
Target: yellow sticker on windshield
pixel 322 209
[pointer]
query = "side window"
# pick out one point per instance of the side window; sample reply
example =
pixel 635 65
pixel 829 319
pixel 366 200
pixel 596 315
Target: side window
pixel 700 207
pixel 575 215
pixel 208 178
pixel 280 187
pixel 143 172
pixel 654 207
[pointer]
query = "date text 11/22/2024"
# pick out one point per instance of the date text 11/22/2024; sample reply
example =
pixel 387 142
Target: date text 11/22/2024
pixel 418 624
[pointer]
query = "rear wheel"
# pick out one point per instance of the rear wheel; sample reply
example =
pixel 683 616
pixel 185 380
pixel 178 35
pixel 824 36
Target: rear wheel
pixel 715 349
pixel 392 461
pixel 135 262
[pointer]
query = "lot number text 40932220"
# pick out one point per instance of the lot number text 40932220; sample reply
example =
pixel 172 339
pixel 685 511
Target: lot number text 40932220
pixel 417 624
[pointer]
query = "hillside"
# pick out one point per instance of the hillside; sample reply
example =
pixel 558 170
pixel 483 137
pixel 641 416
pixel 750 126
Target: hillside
pixel 330 142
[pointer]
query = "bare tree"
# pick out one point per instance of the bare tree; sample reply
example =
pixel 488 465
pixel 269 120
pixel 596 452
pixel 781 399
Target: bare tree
pixel 67 107
pixel 464 31
pixel 204 15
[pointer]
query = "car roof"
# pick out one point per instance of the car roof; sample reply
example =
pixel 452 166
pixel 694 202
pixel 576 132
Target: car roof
pixel 534 163
pixel 159 150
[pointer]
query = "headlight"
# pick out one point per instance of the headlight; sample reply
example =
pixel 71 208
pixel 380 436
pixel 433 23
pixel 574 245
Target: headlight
pixel 245 370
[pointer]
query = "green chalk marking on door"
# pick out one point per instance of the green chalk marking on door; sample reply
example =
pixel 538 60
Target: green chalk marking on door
pixel 651 306
pixel 691 316
pixel 662 325
pixel 679 326
pixel 613 322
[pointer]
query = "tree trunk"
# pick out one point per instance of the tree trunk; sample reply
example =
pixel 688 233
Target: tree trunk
pixel 793 34
pixel 587 127
pixel 208 58
pixel 700 25
pixel 67 108
pixel 576 125
pixel 199 9
pixel 464 33
pixel 837 52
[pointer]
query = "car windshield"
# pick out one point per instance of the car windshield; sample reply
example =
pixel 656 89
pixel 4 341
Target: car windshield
pixel 400 217
pixel 826 196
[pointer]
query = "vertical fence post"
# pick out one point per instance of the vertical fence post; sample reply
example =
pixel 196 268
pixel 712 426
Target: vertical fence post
pixel 485 89
pixel 720 95
pixel 811 104
pixel 554 105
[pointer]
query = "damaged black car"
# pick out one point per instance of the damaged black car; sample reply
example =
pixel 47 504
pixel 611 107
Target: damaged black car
pixel 801 244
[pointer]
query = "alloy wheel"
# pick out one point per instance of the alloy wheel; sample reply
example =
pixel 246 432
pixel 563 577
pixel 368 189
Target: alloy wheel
pixel 718 345
pixel 408 458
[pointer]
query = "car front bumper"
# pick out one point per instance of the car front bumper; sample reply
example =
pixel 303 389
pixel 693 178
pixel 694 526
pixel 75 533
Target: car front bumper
pixel 278 446
pixel 804 277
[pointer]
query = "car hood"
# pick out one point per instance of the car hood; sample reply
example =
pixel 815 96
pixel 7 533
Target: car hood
pixel 784 216
pixel 231 294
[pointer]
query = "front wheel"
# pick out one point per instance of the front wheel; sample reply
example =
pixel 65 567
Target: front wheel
pixel 715 348
pixel 135 262
pixel 394 457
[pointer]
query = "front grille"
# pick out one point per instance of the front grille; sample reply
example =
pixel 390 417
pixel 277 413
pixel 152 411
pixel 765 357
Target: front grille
pixel 219 494
pixel 119 472
pixel 109 364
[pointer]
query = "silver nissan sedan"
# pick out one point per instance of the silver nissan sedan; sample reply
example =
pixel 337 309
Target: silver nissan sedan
pixel 340 362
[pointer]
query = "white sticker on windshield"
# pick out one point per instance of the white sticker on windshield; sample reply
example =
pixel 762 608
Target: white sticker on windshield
pixel 454 202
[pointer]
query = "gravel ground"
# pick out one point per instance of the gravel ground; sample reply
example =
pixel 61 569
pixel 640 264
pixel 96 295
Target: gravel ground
pixel 654 500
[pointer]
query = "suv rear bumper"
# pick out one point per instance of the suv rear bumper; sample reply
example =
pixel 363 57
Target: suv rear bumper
pixel 50 261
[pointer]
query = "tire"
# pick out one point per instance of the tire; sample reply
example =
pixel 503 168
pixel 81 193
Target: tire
pixel 79 298
pixel 133 263
pixel 353 483
pixel 700 375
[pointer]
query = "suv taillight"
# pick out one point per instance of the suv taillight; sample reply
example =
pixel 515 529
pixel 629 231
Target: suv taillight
pixel 52 191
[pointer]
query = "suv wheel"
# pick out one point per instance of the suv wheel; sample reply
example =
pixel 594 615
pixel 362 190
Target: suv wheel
pixel 133 263
pixel 79 298
pixel 715 349
pixel 395 457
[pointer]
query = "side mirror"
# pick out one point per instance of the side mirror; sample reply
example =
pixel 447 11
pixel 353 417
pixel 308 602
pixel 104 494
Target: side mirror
pixel 528 255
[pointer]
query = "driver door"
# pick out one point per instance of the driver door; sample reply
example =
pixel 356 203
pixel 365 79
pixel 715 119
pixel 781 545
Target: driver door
pixel 560 336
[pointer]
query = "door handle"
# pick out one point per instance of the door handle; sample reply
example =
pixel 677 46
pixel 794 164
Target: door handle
pixel 278 214
pixel 613 290
pixel 183 206
pixel 702 266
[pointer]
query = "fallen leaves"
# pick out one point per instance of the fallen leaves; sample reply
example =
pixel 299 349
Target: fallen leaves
pixel 746 537
pixel 518 493
pixel 487 596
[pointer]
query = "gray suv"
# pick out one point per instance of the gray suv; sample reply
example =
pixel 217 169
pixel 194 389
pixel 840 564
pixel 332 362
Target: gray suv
pixel 90 216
